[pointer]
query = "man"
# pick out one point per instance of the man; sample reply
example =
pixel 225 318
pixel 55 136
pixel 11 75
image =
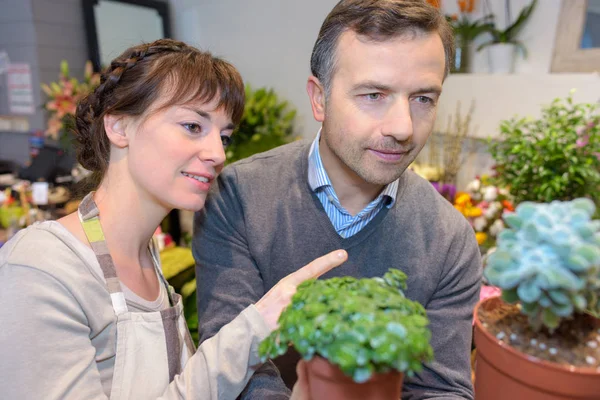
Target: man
pixel 377 73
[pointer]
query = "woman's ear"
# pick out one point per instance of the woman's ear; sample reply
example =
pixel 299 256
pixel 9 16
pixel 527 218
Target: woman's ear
pixel 316 95
pixel 115 130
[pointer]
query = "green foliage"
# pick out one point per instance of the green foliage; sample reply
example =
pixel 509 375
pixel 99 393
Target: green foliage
pixel 465 30
pixel 509 35
pixel 267 123
pixel 364 326
pixel 549 261
pixel 190 308
pixel 556 157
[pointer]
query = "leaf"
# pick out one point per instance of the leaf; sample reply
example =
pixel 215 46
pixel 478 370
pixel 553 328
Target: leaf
pixel 528 291
pixel 550 320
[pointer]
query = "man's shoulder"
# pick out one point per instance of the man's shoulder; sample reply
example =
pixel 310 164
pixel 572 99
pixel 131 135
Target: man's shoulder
pixel 270 169
pixel 272 160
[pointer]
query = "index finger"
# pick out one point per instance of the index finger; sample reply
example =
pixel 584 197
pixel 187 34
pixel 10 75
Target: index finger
pixel 318 267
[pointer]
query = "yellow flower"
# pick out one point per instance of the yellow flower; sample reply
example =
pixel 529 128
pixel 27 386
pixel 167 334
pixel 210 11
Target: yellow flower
pixel 462 199
pixel 473 212
pixel 481 237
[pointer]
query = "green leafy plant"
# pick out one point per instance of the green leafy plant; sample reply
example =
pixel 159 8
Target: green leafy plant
pixel 509 35
pixel 363 326
pixel 556 157
pixel 267 123
pixel 549 261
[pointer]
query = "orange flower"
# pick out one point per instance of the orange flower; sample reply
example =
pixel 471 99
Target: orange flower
pixel 471 6
pixel 508 205
pixel 435 3
pixel 466 6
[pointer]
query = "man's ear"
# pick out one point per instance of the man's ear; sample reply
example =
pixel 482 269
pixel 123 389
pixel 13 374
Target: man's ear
pixel 115 130
pixel 316 95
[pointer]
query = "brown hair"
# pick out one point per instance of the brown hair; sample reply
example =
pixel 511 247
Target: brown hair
pixel 378 20
pixel 165 69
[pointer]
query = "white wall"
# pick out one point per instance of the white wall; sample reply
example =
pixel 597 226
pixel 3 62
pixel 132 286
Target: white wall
pixel 269 41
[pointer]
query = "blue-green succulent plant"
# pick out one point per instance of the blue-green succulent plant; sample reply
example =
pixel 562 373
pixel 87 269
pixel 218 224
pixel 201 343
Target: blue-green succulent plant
pixel 549 260
pixel 363 326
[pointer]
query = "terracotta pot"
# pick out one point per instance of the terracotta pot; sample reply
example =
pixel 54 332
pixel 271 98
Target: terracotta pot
pixel 328 382
pixel 503 373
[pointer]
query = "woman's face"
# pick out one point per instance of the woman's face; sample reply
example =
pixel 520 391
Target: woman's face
pixel 175 155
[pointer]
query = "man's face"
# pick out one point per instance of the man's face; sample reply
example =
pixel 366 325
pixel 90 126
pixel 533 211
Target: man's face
pixel 382 105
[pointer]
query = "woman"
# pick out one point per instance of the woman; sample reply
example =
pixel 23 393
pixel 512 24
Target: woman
pixel 85 311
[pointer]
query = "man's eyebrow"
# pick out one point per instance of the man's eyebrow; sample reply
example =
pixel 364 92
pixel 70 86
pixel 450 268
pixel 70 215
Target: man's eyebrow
pixel 380 87
pixel 430 89
pixel 372 85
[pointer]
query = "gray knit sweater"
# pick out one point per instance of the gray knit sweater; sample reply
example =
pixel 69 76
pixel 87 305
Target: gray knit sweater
pixel 262 222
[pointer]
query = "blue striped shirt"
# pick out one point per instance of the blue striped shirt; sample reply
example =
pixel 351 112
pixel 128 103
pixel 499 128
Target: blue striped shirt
pixel 344 223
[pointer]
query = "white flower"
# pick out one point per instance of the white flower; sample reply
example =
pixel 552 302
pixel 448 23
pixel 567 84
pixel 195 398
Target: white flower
pixel 503 191
pixel 474 186
pixel 479 223
pixel 496 227
pixel 490 193
pixel 492 210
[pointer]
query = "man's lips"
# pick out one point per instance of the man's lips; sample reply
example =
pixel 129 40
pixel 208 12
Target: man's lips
pixel 389 155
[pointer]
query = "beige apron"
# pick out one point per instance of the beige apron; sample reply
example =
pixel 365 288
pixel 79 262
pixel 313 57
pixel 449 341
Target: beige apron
pixel 152 347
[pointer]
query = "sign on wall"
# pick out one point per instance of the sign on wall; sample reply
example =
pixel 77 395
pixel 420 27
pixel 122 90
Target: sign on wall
pixel 20 91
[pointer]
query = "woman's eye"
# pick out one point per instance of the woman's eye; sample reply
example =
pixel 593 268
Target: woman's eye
pixel 226 140
pixel 193 128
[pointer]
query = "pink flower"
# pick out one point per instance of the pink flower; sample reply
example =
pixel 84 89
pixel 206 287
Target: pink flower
pixel 583 141
pixel 54 127
pixel 597 156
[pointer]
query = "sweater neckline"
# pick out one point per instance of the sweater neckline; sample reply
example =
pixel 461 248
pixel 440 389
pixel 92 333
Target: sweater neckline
pixel 324 221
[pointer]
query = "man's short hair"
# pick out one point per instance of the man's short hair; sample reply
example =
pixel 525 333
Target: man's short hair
pixel 378 20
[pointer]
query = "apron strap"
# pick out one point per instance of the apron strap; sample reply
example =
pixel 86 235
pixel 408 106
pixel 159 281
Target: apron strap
pixel 90 221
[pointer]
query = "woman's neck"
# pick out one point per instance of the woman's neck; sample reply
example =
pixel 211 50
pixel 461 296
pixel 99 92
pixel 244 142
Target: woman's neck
pixel 129 218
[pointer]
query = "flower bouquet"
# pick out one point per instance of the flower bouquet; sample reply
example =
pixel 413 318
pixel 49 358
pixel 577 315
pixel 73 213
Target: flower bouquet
pixel 483 205
pixel 63 96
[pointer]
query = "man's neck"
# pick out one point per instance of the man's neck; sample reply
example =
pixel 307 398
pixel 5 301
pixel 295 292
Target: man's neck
pixel 352 191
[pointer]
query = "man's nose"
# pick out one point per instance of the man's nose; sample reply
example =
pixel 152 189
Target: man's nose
pixel 398 121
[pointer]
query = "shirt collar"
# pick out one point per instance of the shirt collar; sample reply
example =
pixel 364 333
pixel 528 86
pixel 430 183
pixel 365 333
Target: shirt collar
pixel 318 178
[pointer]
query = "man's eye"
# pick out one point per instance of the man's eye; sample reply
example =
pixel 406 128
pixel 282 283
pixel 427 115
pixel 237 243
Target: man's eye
pixel 226 140
pixel 425 100
pixel 193 128
pixel 373 96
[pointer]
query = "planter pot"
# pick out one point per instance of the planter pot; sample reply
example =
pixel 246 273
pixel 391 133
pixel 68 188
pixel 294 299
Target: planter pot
pixel 328 382
pixel 503 373
pixel 502 58
pixel 462 58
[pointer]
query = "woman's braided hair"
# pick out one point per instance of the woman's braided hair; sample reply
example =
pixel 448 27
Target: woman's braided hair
pixel 164 73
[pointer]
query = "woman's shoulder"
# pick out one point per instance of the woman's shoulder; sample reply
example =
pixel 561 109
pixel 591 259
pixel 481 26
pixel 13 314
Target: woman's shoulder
pixel 49 248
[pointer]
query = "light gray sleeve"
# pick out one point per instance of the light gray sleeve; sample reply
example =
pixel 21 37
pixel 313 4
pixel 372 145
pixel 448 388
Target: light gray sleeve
pixel 44 339
pixel 47 353
pixel 223 364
